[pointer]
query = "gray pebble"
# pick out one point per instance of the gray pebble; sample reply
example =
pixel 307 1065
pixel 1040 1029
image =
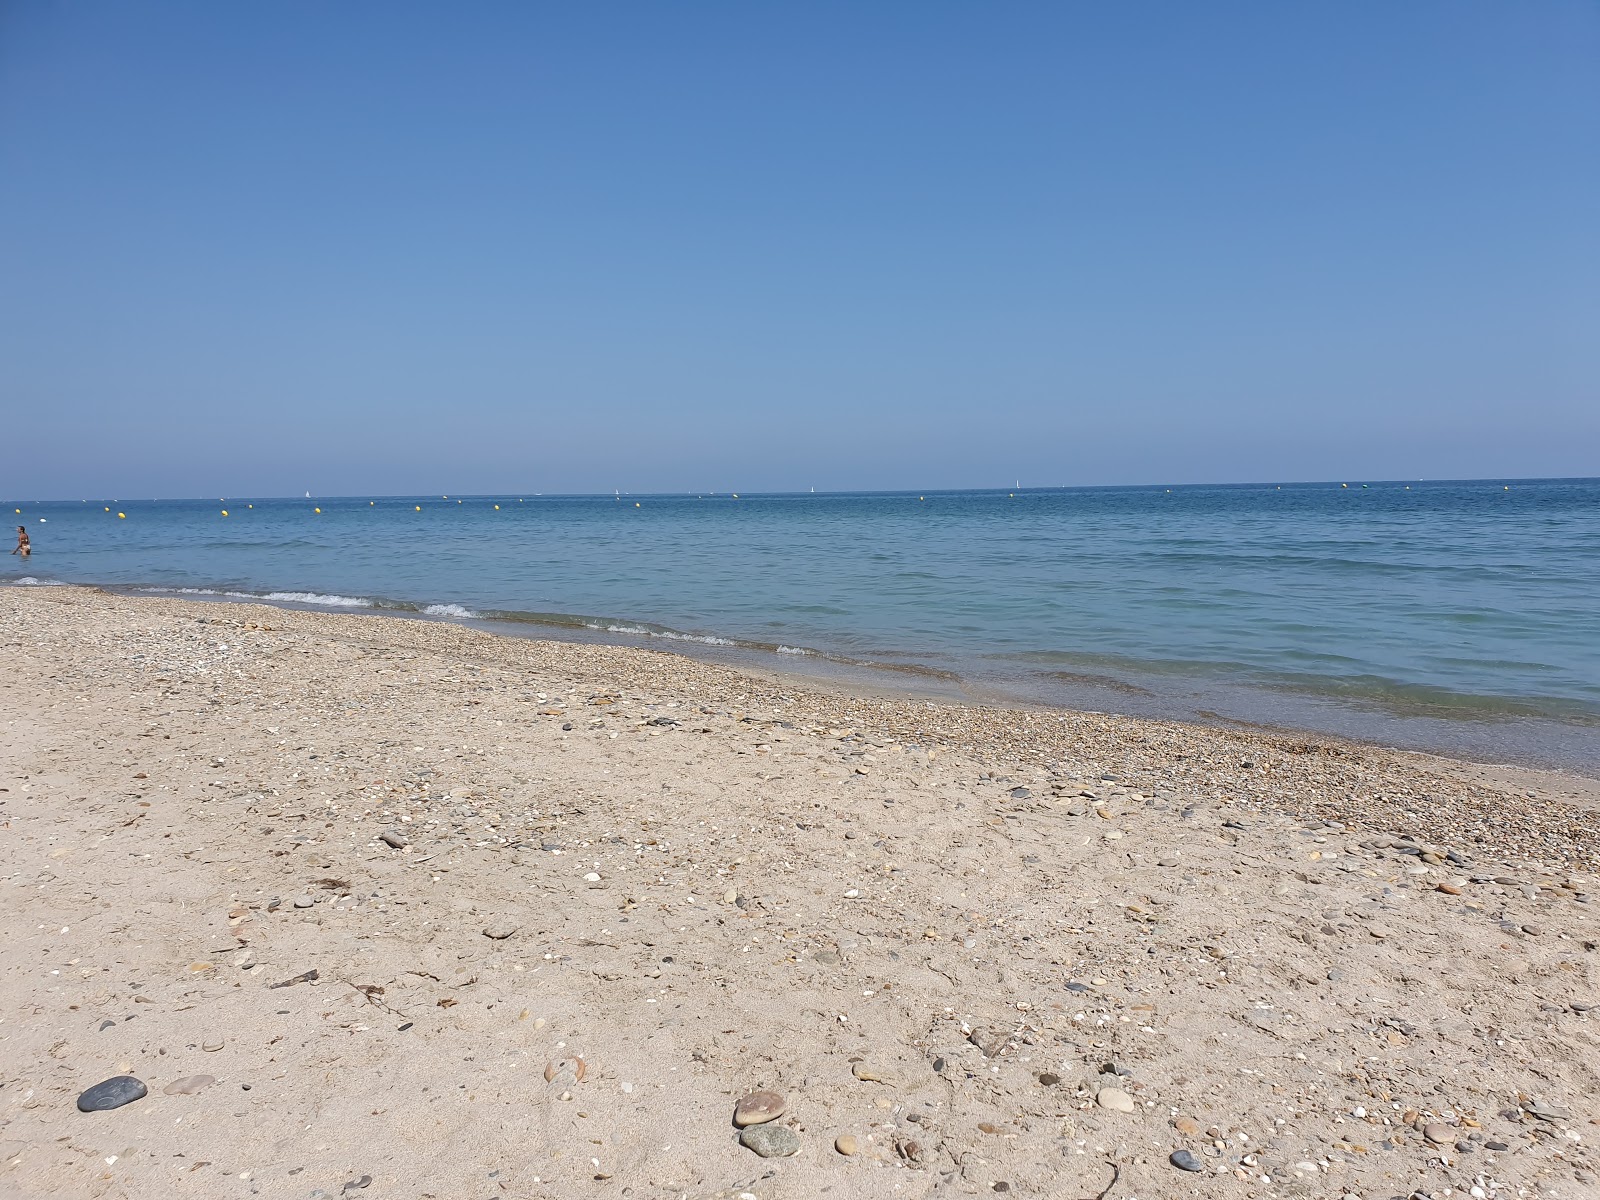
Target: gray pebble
pixel 112 1093
pixel 1184 1160
pixel 771 1141
pixel 394 839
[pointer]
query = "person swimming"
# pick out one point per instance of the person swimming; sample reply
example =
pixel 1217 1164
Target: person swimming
pixel 24 547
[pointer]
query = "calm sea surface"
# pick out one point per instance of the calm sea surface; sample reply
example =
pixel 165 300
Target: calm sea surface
pixel 1456 616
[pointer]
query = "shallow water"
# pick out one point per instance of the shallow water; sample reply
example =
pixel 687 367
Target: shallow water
pixel 1453 616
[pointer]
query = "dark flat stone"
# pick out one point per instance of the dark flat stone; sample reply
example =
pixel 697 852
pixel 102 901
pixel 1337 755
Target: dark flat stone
pixel 112 1093
pixel 1184 1160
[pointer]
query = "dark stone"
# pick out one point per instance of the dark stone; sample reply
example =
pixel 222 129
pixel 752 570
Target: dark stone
pixel 1495 1146
pixel 1020 793
pixel 112 1093
pixel 1049 1079
pixel 1185 1160
pixel 938 1065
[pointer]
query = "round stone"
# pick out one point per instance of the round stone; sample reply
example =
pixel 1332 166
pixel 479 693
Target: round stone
pixel 1115 1099
pixel 112 1093
pixel 771 1141
pixel 1438 1134
pixel 758 1108
pixel 1184 1160
pixel 846 1144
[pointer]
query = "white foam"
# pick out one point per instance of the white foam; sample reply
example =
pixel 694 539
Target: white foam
pixel 448 610
pixel 792 650
pixel 314 598
pixel 664 634
pixel 35 581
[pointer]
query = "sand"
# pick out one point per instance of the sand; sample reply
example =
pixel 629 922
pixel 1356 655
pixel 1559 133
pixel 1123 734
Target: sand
pixel 445 914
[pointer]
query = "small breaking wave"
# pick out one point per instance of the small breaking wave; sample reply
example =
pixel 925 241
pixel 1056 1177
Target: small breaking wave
pixel 447 610
pixel 35 581
pixel 664 634
pixel 329 601
pixel 793 650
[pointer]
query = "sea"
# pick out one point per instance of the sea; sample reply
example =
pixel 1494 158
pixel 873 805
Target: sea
pixel 1460 617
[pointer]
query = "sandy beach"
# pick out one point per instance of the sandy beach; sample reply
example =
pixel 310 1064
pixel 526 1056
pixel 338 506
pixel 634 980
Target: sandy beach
pixel 385 907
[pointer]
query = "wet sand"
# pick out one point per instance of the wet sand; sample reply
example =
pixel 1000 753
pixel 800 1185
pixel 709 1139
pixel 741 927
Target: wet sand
pixel 1024 951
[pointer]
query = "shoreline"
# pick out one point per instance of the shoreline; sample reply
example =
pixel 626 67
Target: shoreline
pixel 353 899
pixel 1430 735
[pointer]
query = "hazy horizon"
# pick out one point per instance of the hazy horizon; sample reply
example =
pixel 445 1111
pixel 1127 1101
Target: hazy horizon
pixel 563 250
pixel 753 493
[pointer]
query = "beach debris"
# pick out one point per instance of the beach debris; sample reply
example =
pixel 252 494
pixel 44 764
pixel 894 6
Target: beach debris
pixel 565 1071
pixel 211 1046
pixel 771 1141
pixel 758 1108
pixel 112 1093
pixel 303 977
pixel 355 1185
pixel 189 1085
pixel 870 1074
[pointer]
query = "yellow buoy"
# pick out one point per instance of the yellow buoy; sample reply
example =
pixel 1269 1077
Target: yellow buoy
pixel 1344 485
pixel 736 495
pixel 122 516
pixel 249 505
pixel 316 510
pixel 497 508
pixel 108 510
pixel 1508 488
pixel 372 503
pixel 636 504
pixel 921 497
pixel 224 512
pixel 419 508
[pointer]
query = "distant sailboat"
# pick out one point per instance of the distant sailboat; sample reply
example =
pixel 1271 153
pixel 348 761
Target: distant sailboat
pixel 308 495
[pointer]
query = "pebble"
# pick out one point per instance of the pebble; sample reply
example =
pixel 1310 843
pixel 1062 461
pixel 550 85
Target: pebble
pixel 757 1109
pixel 394 839
pixel 1187 1126
pixel 500 930
pixel 112 1093
pixel 1184 1160
pixel 771 1141
pixel 846 1144
pixel 869 1074
pixel 212 1046
pixel 1115 1099
pixel 303 901
pixel 189 1085
pixel 1438 1134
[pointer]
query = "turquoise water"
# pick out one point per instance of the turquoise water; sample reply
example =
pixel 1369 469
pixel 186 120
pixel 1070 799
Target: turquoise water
pixel 1459 616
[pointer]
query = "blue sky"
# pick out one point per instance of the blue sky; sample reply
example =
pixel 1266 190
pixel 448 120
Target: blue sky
pixel 390 247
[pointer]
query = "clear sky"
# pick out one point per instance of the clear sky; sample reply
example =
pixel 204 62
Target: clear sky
pixel 399 247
